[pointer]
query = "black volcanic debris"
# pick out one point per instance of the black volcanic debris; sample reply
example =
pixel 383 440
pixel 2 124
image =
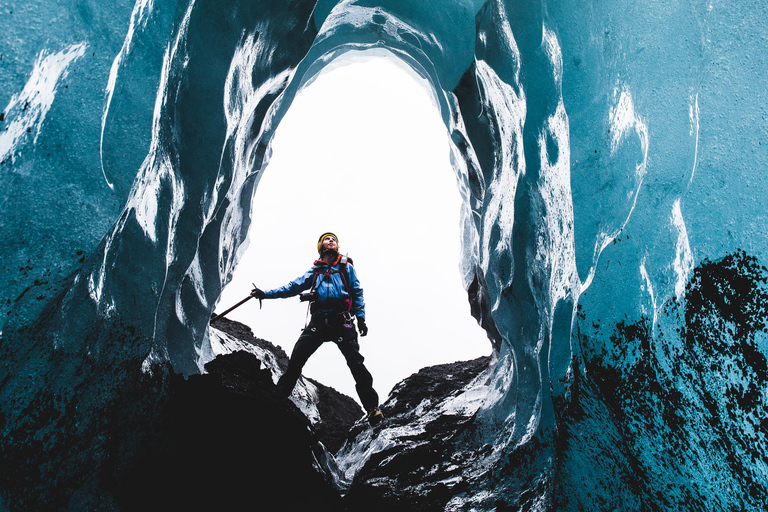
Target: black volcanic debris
pixel 725 313
pixel 695 383
pixel 727 305
pixel 595 469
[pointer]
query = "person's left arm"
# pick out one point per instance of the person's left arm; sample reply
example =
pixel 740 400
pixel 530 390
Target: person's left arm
pixel 358 302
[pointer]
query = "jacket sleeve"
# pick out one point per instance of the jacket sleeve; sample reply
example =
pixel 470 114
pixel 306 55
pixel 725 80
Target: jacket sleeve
pixel 291 289
pixel 358 302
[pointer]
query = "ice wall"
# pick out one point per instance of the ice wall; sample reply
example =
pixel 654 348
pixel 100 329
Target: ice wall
pixel 611 158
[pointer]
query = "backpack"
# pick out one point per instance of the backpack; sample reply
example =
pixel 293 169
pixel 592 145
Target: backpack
pixel 344 273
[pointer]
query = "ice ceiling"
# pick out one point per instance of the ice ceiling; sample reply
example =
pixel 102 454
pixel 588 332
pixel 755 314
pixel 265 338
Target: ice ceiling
pixel 612 162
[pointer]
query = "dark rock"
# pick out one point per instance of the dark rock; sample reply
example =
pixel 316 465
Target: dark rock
pixel 423 471
pixel 435 383
pixel 243 332
pixel 338 412
pixel 227 440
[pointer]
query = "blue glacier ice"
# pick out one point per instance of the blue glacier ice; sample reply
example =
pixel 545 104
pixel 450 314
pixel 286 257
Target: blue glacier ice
pixel 612 160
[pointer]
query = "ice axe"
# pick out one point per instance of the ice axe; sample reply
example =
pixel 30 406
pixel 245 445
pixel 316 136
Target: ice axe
pixel 249 297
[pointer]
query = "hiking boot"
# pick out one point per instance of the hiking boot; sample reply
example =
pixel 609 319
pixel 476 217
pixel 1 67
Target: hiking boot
pixel 375 417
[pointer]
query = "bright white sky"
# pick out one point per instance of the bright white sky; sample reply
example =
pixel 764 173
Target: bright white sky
pixel 363 153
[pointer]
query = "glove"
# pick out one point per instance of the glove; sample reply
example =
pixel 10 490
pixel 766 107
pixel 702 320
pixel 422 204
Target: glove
pixel 361 326
pixel 258 293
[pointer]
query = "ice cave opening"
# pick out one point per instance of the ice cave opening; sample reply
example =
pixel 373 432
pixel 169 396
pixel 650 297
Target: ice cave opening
pixel 360 129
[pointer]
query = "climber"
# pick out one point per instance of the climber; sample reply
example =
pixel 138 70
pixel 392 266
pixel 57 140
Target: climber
pixel 335 297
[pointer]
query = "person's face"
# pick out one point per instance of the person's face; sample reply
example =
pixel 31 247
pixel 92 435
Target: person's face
pixel 330 243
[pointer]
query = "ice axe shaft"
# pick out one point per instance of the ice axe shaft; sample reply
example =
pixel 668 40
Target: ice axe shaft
pixel 216 317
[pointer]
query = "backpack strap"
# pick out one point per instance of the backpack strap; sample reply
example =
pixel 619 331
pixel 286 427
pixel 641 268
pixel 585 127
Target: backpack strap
pixel 343 272
pixel 315 274
pixel 345 279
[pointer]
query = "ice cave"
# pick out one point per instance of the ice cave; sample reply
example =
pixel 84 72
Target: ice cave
pixel 611 159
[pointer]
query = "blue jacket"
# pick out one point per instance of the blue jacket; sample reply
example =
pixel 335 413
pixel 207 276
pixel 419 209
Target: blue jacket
pixel 329 285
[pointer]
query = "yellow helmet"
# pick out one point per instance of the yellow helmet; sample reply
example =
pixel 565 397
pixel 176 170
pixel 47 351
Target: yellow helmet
pixel 322 237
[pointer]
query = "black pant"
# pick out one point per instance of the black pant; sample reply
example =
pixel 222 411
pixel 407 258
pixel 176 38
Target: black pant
pixel 334 328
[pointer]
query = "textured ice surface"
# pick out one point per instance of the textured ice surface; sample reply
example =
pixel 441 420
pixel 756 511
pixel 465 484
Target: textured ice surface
pixel 612 160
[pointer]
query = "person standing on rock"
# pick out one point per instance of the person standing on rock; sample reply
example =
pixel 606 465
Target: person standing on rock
pixel 333 290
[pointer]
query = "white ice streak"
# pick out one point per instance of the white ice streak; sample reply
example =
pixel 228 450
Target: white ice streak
pixel 649 288
pixel 470 238
pixel 155 174
pixel 511 50
pixel 463 502
pixel 195 274
pixel 157 169
pixel 556 245
pixel 27 109
pixel 509 109
pixel 179 307
pixel 554 53
pixel 241 100
pixel 145 196
pixel 683 264
pixel 139 18
pixel 622 118
pixel 467 402
pixel 306 398
pixel 476 249
pixel 501 381
pixel 152 360
pixel 347 13
pixel 693 114
pixel 558 250
pixel 240 96
pixel 352 456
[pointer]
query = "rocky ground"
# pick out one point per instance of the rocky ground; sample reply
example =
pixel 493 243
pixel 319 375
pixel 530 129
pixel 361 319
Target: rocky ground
pixel 227 441
pixel 415 461
pixel 338 411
